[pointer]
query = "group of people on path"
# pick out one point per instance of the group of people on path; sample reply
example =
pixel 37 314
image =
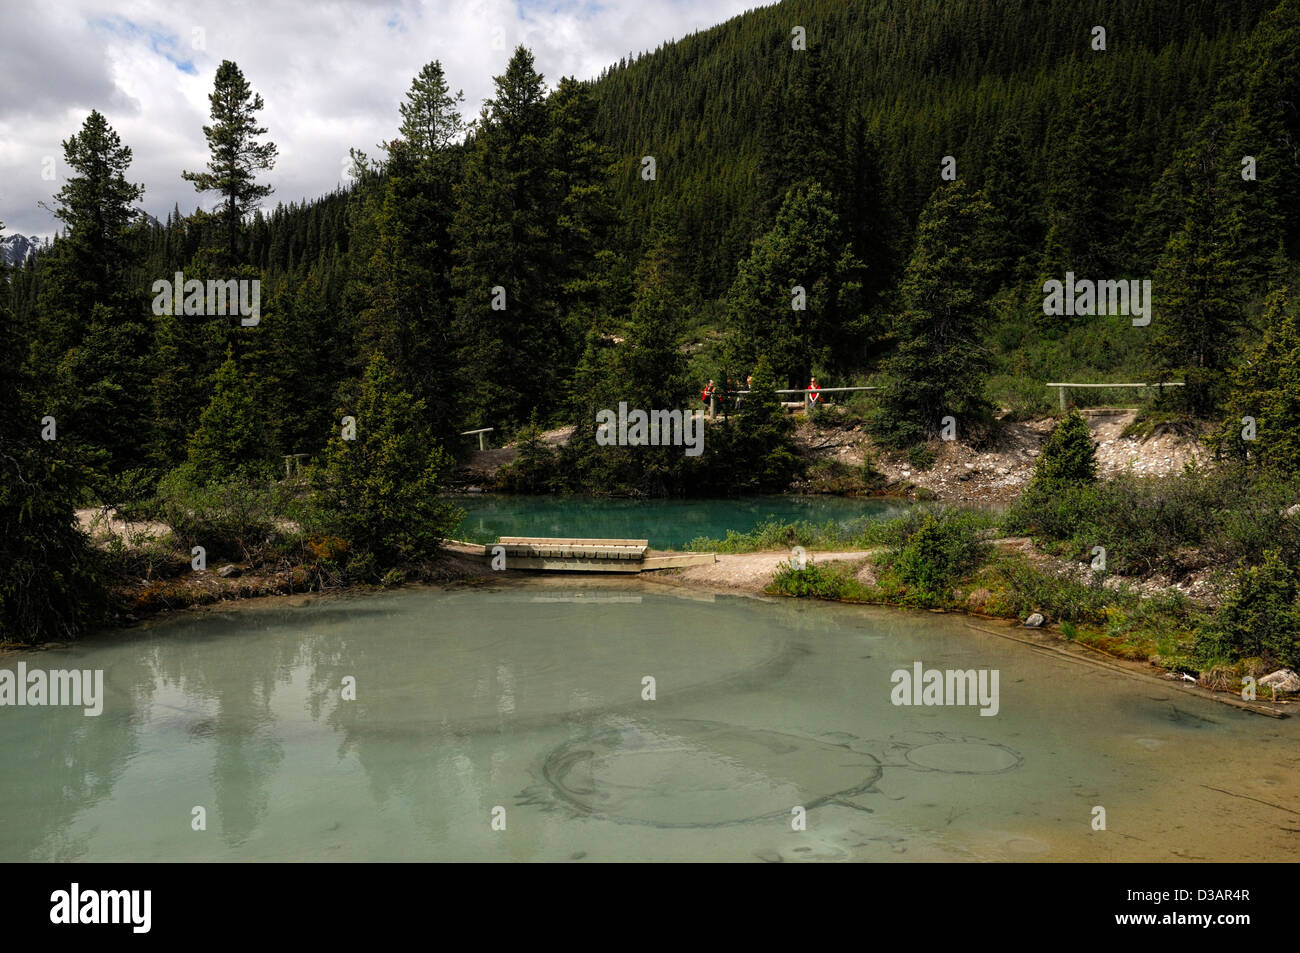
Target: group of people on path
pixel 735 397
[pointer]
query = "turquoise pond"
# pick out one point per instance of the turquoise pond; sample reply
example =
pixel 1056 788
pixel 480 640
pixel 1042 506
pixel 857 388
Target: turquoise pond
pixel 667 524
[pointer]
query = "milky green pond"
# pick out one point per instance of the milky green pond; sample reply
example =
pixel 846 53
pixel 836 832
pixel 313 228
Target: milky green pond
pixel 529 698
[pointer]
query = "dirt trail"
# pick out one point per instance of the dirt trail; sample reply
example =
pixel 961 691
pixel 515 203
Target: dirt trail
pixel 746 572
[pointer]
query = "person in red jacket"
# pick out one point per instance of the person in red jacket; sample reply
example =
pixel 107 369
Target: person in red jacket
pixel 814 393
pixel 707 393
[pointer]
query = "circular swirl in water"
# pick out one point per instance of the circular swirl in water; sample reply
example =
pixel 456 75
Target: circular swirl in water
pixel 684 773
pixel 967 756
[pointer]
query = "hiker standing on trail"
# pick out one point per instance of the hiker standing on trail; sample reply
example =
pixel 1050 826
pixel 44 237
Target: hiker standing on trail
pixel 707 393
pixel 749 387
pixel 733 398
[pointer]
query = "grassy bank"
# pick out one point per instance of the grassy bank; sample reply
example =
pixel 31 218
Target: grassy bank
pixel 1111 564
pixel 1117 619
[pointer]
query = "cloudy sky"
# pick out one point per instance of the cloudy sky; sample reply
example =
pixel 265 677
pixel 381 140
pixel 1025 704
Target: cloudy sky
pixel 331 72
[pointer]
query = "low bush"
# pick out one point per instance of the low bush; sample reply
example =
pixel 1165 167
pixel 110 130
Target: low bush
pixel 921 456
pixel 235 519
pixel 1147 523
pixel 1260 617
pixel 946 546
pixel 816 581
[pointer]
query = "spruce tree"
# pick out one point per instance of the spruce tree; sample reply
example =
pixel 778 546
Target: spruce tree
pixel 506 320
pixel 1197 307
pixel 230 441
pixel 1262 410
pixel 51 583
pixel 236 154
pixel 91 342
pixel 1009 188
pixel 381 490
pixel 96 204
pixel 799 331
pixel 1068 457
pixel 801 132
pixel 582 168
pixel 1087 180
pixel 939 364
pixel 407 312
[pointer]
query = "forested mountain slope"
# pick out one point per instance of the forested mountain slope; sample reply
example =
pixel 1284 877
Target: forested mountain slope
pixel 885 89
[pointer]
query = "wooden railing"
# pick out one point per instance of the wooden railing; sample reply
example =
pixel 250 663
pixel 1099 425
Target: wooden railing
pixel 482 441
pixel 807 392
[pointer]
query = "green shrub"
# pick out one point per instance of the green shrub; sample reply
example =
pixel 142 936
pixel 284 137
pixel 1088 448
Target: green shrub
pixel 1027 589
pixel 1068 457
pixel 921 456
pixel 1147 523
pixel 944 547
pixel 234 519
pixel 814 580
pixel 777 535
pixel 1260 617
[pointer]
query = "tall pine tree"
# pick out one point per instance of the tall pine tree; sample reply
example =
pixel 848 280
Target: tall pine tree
pixel 939 365
pixel 236 154
pixel 506 320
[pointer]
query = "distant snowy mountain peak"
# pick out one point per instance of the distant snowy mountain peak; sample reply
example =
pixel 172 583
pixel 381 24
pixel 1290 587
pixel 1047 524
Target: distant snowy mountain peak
pixel 16 249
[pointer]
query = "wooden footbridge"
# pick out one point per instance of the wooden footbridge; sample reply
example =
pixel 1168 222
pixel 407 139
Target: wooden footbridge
pixel 567 554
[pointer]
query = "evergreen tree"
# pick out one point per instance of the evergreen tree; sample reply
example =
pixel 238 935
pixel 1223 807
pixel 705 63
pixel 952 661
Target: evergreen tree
pixel 1262 412
pixel 407 313
pixel 801 132
pixel 431 120
pixel 939 365
pixel 95 204
pixel 509 339
pixel 380 491
pixel 1260 618
pixel 1197 309
pixel 301 355
pixel 1087 180
pixel 646 371
pixel 870 220
pixel 236 154
pixel 188 350
pixel 756 453
pixel 586 276
pixel 90 347
pixel 799 331
pixel 51 584
pixel 1009 188
pixel 230 441
pixel 1258 112
pixel 1068 457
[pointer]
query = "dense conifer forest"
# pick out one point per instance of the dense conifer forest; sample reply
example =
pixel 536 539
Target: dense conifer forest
pixel 918 170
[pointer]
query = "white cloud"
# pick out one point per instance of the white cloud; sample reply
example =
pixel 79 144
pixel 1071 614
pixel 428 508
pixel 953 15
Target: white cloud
pixel 331 73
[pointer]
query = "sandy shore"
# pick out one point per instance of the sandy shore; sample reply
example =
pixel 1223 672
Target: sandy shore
pixel 743 572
